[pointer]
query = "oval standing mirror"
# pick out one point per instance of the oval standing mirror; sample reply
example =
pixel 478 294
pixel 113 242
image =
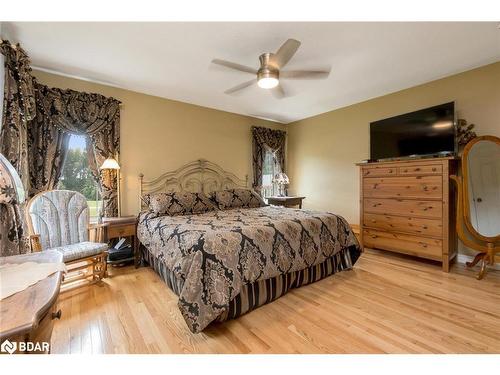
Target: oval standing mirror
pixel 478 202
pixel 481 169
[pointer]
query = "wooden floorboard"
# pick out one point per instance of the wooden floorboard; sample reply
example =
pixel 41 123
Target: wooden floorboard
pixel 387 304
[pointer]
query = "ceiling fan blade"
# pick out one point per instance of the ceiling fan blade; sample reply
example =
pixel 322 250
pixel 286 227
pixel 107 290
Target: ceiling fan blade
pixel 239 87
pixel 231 65
pixel 305 74
pixel 278 92
pixel 285 53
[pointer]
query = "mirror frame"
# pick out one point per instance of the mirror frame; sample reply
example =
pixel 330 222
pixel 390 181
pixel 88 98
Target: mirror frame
pixel 465 179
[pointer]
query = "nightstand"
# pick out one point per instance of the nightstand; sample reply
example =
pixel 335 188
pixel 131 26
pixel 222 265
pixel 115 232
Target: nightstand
pixel 117 227
pixel 286 201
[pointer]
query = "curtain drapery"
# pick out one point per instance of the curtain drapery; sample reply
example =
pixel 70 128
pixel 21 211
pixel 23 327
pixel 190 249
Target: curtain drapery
pixel 262 138
pixel 47 145
pixel 64 112
pixel 18 111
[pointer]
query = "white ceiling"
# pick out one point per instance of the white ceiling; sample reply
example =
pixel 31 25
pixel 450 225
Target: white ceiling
pixel 172 60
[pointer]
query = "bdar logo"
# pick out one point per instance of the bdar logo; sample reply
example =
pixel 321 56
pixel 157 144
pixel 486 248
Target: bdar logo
pixel 8 347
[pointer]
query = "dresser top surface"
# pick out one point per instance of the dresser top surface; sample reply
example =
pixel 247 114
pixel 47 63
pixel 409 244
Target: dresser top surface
pixel 416 161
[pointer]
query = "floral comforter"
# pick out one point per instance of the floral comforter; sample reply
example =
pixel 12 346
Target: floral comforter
pixel 217 252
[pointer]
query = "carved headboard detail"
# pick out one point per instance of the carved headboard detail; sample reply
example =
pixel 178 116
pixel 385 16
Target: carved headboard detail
pixel 197 176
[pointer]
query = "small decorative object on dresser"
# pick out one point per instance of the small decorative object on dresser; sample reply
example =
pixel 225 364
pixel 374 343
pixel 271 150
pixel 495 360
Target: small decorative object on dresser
pixel 118 227
pixel 408 207
pixel 28 315
pixel 286 201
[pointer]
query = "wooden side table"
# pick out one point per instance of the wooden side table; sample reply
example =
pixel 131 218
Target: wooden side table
pixel 28 316
pixel 286 201
pixel 117 227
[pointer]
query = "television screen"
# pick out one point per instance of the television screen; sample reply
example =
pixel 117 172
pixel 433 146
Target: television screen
pixel 429 131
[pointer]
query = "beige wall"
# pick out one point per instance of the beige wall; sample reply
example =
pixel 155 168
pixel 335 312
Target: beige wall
pixel 159 135
pixel 322 150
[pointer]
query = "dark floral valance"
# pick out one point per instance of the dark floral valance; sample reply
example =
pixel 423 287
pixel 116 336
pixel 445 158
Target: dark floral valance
pixel 273 139
pixel 79 112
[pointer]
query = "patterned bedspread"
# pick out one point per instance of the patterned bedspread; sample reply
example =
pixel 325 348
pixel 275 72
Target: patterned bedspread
pixel 217 252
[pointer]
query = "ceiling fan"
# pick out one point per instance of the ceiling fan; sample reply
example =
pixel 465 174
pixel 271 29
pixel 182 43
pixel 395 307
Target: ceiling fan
pixel 269 74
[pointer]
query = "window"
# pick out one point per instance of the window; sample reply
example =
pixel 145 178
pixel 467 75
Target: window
pixel 269 170
pixel 77 176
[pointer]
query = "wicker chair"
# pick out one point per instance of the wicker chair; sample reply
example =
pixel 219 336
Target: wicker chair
pixel 59 220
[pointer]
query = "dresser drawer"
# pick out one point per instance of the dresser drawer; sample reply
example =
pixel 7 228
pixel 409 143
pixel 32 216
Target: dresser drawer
pixel 406 224
pixel 121 231
pixel 403 243
pixel 379 171
pixel 409 170
pixel 418 187
pixel 410 207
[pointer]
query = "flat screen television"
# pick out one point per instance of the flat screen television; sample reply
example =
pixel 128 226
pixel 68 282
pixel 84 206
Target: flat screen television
pixel 427 132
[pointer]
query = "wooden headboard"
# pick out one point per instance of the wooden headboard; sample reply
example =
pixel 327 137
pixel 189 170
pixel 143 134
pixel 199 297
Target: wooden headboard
pixel 197 176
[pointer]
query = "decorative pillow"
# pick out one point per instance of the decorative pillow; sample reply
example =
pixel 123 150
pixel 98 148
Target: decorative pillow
pixel 180 203
pixel 237 198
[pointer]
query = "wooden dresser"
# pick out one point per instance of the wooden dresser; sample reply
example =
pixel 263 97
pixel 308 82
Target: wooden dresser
pixel 409 207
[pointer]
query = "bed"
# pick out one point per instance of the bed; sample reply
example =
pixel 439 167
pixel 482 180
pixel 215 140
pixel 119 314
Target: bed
pixel 223 263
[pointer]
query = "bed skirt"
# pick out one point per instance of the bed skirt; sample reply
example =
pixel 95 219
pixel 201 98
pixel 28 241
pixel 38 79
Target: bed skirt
pixel 264 291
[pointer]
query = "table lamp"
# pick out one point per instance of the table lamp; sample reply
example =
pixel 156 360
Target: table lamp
pixel 281 179
pixel 111 164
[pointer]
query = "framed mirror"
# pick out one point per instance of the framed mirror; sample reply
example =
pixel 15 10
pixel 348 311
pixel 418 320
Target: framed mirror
pixel 478 201
pixel 481 171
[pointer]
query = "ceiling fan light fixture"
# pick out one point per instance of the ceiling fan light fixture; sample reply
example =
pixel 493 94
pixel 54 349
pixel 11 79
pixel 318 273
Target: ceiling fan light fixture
pixel 268 82
pixel 267 78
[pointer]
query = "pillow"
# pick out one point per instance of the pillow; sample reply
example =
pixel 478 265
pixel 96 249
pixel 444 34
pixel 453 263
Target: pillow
pixel 180 203
pixel 237 198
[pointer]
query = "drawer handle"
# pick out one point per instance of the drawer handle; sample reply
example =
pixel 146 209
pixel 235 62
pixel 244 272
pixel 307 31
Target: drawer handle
pixel 390 170
pixel 434 169
pixel 417 169
pixel 374 236
pixel 405 170
pixel 57 315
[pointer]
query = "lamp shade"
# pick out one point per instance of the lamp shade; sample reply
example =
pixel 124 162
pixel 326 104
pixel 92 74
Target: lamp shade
pixel 110 163
pixel 11 187
pixel 281 178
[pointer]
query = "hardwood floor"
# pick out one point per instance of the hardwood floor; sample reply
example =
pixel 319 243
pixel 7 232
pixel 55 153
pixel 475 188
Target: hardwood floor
pixel 387 304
